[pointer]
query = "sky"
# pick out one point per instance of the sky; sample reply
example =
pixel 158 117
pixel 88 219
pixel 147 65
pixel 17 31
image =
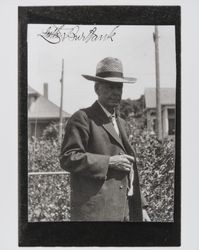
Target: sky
pixel 133 45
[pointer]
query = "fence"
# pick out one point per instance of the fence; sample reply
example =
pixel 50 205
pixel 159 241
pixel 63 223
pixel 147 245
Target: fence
pixel 47 173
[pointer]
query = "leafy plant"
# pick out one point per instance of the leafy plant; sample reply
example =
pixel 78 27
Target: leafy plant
pixel 49 195
pixel 48 198
pixel 156 165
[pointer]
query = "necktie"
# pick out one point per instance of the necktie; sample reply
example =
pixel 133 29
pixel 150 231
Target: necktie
pixel 113 120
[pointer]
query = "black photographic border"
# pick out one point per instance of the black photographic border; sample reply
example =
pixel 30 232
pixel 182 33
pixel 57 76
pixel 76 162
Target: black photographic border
pixel 94 233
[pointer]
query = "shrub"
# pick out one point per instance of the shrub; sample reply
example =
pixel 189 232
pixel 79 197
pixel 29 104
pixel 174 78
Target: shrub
pixel 48 198
pixel 156 162
pixel 43 155
pixel 49 195
pixel 51 132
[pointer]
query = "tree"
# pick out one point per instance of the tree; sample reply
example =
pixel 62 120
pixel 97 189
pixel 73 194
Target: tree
pixel 130 107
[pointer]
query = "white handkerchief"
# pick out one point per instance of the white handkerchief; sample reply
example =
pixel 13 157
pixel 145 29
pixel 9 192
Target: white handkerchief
pixel 131 179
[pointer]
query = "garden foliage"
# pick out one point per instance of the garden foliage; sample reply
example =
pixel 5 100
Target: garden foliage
pixel 48 198
pixel 49 195
pixel 156 165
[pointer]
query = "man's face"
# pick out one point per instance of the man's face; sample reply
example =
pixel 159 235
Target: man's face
pixel 109 94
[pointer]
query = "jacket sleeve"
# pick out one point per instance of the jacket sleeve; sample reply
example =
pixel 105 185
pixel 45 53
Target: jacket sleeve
pixel 74 156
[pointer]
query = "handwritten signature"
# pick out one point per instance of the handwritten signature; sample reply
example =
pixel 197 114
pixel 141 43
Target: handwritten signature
pixel 59 33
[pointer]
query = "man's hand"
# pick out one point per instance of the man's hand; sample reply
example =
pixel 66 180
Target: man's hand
pixel 121 162
pixel 145 216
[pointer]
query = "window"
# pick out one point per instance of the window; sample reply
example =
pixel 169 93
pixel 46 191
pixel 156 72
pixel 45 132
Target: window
pixel 171 121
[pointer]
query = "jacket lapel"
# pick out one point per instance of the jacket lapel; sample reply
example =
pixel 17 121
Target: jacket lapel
pixel 124 137
pixel 107 124
pixel 110 129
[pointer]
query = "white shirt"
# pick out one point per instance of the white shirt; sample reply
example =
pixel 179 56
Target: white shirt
pixel 111 116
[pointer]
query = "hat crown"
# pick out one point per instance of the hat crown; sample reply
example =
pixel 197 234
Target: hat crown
pixel 110 70
pixel 109 64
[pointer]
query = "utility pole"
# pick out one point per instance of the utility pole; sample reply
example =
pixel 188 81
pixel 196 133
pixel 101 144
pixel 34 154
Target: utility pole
pixel 61 104
pixel 157 70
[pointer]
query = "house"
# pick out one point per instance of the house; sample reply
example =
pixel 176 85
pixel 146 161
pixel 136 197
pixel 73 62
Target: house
pixel 167 100
pixel 41 112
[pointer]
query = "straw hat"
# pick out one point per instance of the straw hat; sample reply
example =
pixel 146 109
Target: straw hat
pixel 110 70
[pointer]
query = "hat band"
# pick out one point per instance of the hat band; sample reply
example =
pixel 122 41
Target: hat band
pixel 110 74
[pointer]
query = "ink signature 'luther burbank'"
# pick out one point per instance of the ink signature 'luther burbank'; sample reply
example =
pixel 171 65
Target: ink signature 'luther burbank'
pixel 56 34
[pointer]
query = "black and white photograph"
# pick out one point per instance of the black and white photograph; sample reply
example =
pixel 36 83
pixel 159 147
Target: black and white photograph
pixel 82 165
pixel 102 122
pixel 99 124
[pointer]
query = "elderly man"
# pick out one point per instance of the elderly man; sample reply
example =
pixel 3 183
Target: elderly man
pixel 96 151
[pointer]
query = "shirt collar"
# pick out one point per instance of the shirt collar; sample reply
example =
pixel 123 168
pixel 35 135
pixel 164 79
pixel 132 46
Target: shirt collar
pixel 106 111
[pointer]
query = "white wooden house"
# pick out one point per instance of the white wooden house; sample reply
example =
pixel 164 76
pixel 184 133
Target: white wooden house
pixel 41 112
pixel 168 107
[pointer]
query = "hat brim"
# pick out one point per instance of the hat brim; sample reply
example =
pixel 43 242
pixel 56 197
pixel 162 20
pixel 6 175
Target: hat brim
pixel 111 79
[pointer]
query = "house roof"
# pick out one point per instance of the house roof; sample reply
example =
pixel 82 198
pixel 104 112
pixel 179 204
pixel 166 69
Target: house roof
pixel 167 97
pixel 31 91
pixel 42 108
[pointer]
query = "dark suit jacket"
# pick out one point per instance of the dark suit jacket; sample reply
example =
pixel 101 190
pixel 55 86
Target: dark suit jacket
pixel 98 193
